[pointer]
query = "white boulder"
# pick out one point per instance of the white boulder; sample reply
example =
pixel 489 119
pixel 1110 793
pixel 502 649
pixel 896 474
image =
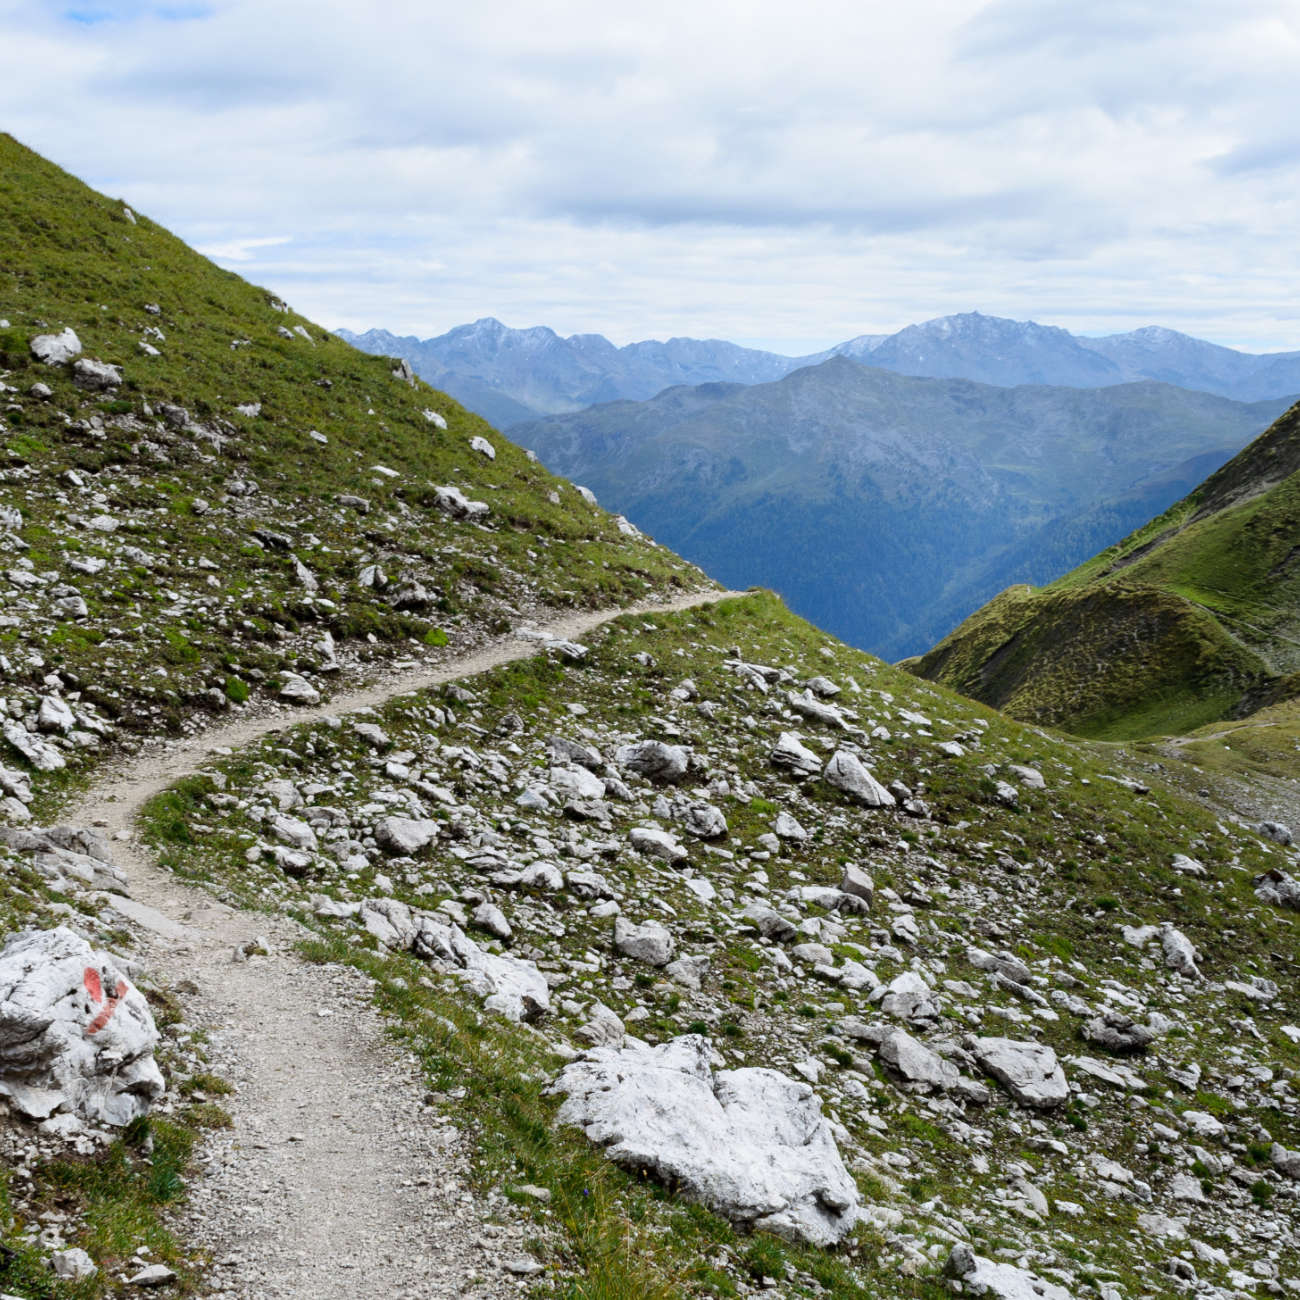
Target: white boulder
pixel 847 772
pixel 657 844
pixel 651 942
pixel 750 1144
pixel 452 501
pixel 793 756
pixel 403 836
pixel 1029 1071
pixel 74 1034
pixel 95 376
pixel 39 753
pixel 1180 955
pixel 655 760
pixel 56 349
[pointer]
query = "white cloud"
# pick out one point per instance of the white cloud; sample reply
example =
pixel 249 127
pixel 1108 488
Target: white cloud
pixel 240 250
pixel 699 166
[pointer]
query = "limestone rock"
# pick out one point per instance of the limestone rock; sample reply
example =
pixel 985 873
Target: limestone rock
pixel 1278 888
pixel 985 1277
pixel 403 836
pixel 1180 955
pixel 793 756
pixel 298 690
pixel 650 942
pixel 847 772
pixel 39 753
pixel 511 986
pixel 1028 1071
pixel 95 376
pixel 1118 1033
pixel 452 501
pixel 654 760
pixel 750 1144
pixel 656 843
pixel 75 1035
pixel 916 1064
pixel 56 349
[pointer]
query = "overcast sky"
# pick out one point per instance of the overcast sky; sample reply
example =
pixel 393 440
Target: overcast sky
pixel 783 175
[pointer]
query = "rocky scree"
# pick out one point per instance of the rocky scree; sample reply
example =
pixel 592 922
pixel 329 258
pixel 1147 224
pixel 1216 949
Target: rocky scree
pixel 1036 998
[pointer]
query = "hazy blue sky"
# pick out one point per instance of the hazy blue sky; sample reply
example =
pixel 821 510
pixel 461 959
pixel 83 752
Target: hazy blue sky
pixel 778 174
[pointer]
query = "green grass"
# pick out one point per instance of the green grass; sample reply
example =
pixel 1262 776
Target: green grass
pixel 213 611
pixel 1191 619
pixel 1073 863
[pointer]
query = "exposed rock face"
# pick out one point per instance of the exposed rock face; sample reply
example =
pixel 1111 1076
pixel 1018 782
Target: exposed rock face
pixel 74 1034
pixel 750 1144
pixel 1028 1071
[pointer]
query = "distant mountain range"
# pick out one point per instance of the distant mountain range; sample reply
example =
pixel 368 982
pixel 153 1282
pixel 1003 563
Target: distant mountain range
pixel 509 376
pixel 886 507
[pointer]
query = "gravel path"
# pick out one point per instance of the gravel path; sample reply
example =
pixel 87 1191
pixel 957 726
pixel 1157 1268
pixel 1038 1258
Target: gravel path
pixel 336 1180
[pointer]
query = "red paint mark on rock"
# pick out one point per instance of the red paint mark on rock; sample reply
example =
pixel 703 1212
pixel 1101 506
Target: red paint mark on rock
pixel 95 987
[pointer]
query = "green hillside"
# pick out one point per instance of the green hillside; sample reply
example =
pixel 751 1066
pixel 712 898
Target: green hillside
pixel 1193 618
pixel 250 485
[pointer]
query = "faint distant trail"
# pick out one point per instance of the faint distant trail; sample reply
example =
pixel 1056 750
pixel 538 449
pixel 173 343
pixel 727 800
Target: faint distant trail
pixel 335 1181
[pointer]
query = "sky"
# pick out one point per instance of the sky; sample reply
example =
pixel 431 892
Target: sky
pixel 782 176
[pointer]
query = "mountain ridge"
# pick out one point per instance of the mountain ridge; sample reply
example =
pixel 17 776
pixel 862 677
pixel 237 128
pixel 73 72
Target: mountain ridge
pixel 480 363
pixel 842 462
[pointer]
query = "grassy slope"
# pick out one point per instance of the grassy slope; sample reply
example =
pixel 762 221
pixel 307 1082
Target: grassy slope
pixel 1190 619
pixel 1053 879
pixel 211 602
pixel 201 613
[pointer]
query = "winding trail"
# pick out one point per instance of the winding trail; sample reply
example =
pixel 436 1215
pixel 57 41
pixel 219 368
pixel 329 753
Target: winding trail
pixel 335 1180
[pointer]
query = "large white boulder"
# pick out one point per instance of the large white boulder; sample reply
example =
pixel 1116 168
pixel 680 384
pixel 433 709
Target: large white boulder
pixel 750 1144
pixel 405 835
pixel 987 1277
pixel 95 376
pixel 1029 1071
pixel 650 942
pixel 656 843
pixel 75 1035
pixel 793 756
pixel 56 349
pixel 847 772
pixel 654 760
pixel 452 501
pixel 39 753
